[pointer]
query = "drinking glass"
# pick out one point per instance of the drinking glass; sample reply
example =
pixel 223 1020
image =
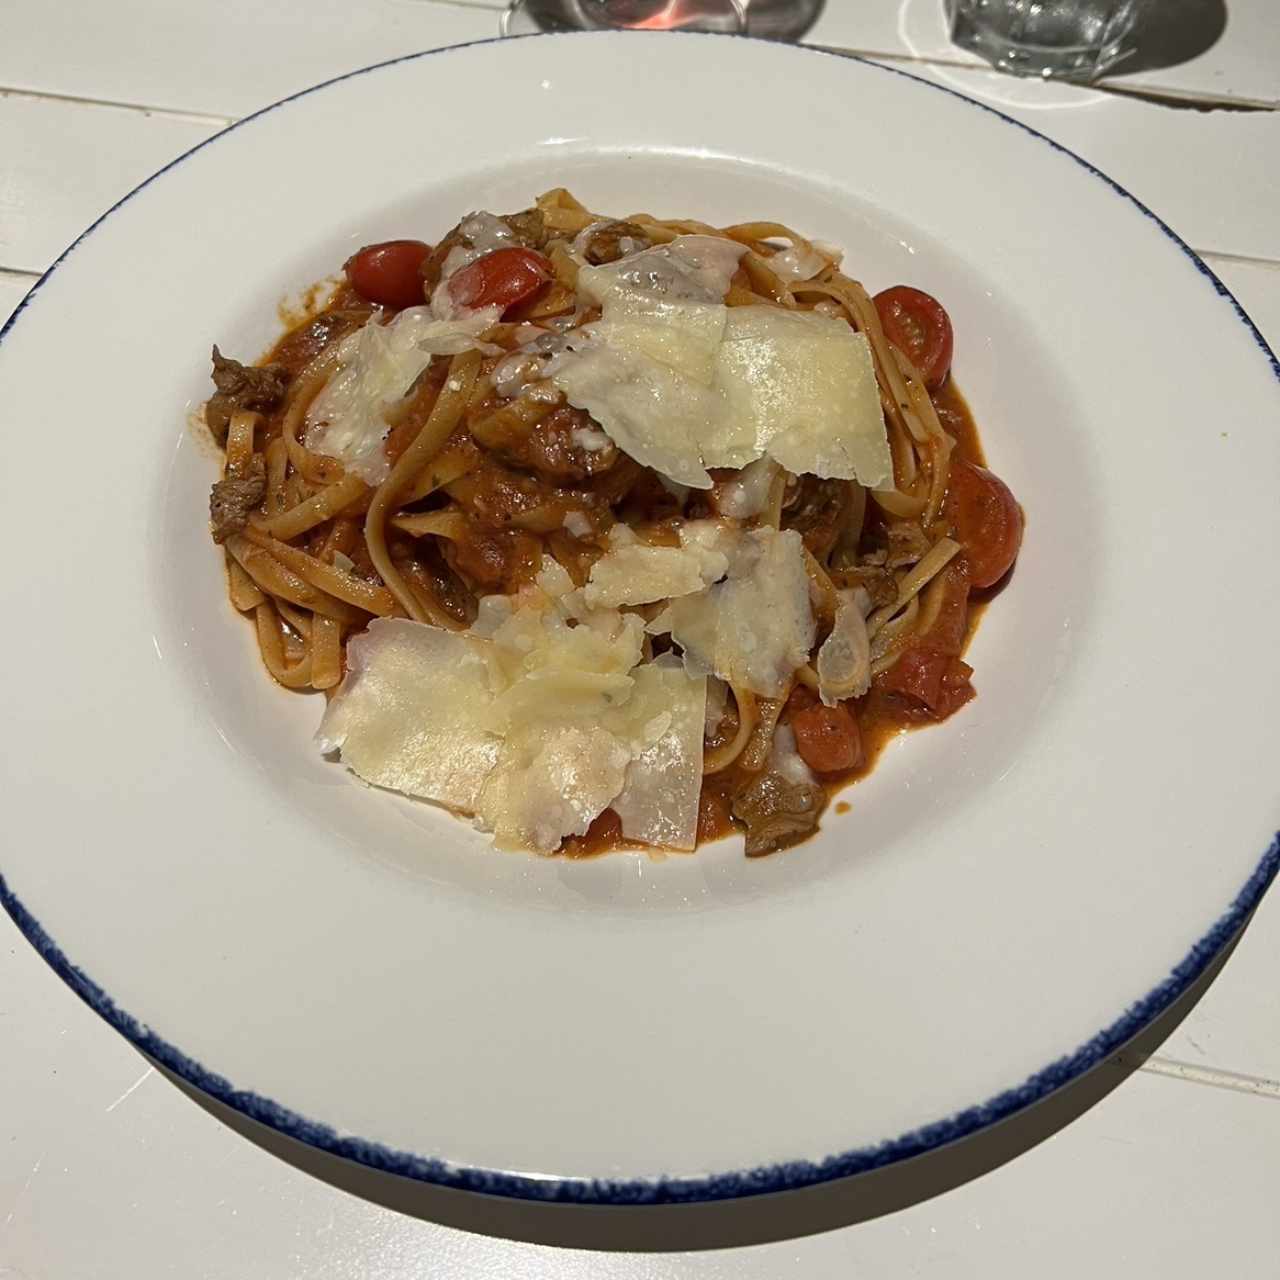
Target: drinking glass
pixel 1066 39
pixel 526 16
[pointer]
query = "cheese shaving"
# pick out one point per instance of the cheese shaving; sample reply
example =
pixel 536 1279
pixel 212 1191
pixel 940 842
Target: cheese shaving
pixel 756 627
pixel 376 366
pixel 746 494
pixel 683 385
pixel 632 572
pixel 534 722
pixel 550 783
pixel 658 804
pixel 696 268
pixel 807 384
pixel 405 717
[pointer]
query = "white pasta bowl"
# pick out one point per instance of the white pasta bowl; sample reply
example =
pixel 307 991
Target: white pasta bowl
pixel 1012 894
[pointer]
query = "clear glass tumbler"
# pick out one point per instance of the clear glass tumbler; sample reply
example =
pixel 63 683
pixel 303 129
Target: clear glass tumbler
pixel 1066 39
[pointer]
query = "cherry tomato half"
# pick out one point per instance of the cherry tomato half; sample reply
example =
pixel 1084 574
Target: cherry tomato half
pixel 918 325
pixel 987 521
pixel 827 738
pixel 389 273
pixel 500 279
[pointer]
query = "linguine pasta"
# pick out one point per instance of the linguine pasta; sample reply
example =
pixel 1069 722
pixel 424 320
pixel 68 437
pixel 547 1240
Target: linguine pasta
pixel 490 464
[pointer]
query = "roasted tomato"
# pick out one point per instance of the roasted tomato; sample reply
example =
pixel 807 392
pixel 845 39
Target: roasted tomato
pixel 500 279
pixel 986 519
pixel 918 325
pixel 389 273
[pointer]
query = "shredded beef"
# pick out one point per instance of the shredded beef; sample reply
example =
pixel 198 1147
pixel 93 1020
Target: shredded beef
pixel 242 386
pixel 234 497
pixel 778 812
pixel 613 241
pixel 818 513
pixel 529 226
pixel 549 447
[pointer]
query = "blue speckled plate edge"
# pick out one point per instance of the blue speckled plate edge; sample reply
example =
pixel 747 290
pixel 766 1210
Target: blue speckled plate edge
pixel 764 1179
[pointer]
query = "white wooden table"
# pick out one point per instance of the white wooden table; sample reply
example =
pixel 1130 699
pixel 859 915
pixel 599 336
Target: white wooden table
pixel 106 1170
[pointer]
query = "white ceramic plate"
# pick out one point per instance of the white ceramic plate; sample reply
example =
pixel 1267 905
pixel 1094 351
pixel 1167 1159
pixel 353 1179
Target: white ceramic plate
pixel 1012 894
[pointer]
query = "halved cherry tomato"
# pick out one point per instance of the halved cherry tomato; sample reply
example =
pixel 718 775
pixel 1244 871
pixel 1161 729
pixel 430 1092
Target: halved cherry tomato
pixel 918 325
pixel 500 279
pixel 389 273
pixel 827 738
pixel 986 519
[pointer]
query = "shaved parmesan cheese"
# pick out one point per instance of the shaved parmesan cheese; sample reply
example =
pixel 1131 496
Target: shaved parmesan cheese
pixel 697 268
pixel 844 661
pixel 632 572
pixel 649 409
pixel 543 665
pixel 685 335
pixel 566 708
pixel 710 538
pixel 641 574
pixel 553 579
pixel 747 494
pixel 658 804
pixel 577 524
pixel 535 721
pixel 515 372
pixel 807 384
pixel 591 439
pixel 756 627
pixel 683 385
pixel 557 690
pixel 551 783
pixel 785 760
pixel 406 715
pixel 491 613
pixel 646 371
pixel 717 705
pixel 376 367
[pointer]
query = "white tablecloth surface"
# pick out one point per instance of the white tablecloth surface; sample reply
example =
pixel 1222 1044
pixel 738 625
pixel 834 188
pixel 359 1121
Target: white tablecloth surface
pixel 107 1170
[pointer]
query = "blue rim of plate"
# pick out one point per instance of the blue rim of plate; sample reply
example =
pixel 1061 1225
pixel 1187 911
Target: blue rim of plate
pixel 765 1179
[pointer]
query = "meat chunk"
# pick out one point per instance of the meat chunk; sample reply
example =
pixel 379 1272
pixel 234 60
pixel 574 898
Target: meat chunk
pixel 495 558
pixel 529 226
pixel 778 812
pixel 496 497
pixel 615 240
pixel 875 579
pixel 566 445
pixel 234 497
pixel 242 386
pixel 818 513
